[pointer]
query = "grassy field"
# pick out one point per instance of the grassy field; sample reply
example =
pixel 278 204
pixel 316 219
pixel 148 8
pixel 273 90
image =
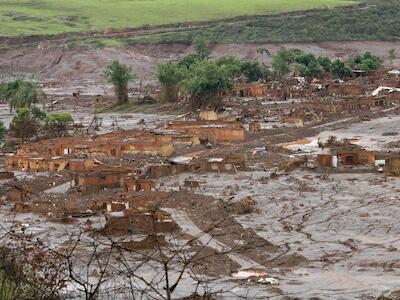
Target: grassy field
pixel 374 20
pixel 31 17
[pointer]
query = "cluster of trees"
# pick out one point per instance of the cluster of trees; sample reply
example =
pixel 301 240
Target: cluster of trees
pixel 204 79
pixel 365 62
pixel 307 64
pixel 22 93
pixel 29 120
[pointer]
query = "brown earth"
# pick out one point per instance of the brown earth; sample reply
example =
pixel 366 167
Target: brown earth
pixel 83 67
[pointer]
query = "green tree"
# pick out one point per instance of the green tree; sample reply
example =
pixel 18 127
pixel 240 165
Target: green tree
pixel 231 65
pixel 280 66
pixel 2 131
pixel 201 47
pixel 283 59
pixel 365 62
pixel 188 60
pixel 25 124
pixel 21 93
pixel 205 84
pixel 325 63
pixel 252 70
pixel 305 58
pixel 301 69
pixel 57 123
pixel 170 75
pixel 339 69
pixel 119 76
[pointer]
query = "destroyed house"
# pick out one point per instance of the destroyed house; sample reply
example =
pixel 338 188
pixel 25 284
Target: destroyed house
pixel 218 131
pixel 138 185
pixel 131 221
pixel 356 158
pixel 50 164
pixel 251 90
pixel 347 158
pixel 232 163
pixel 90 182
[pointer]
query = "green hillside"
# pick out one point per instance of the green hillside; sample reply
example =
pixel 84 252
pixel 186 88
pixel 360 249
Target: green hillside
pixel 32 17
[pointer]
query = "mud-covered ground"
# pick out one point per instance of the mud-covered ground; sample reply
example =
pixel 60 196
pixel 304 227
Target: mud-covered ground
pixel 83 68
pixel 340 231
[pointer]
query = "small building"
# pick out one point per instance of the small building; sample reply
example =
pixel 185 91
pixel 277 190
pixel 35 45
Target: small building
pixel 132 221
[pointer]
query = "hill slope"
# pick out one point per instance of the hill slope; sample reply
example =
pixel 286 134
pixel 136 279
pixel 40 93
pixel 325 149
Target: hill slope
pixel 38 17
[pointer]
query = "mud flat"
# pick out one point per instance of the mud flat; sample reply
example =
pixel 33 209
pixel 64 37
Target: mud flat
pixel 339 233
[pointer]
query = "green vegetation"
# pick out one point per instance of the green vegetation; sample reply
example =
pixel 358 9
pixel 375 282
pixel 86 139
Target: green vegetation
pixel 205 79
pixel 26 123
pixel 119 75
pixel 170 76
pixel 339 69
pixel 365 62
pixel 29 122
pixel 57 123
pixel 201 47
pixel 252 70
pixel 29 17
pixel 22 93
pixel 374 20
pixel 298 62
pixel 206 83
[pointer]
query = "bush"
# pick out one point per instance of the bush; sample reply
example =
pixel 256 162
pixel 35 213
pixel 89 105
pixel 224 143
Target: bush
pixel 57 123
pixel 231 65
pixel 365 62
pixel 205 84
pixel 252 70
pixel 25 124
pixel 170 75
pixel 339 69
pixel 325 63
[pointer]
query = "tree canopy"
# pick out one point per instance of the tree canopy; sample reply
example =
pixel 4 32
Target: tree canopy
pixel 57 123
pixel 21 93
pixel 119 76
pixel 339 69
pixel 26 123
pixel 170 75
pixel 205 84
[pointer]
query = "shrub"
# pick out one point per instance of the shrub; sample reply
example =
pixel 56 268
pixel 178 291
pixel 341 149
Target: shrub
pixel 170 75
